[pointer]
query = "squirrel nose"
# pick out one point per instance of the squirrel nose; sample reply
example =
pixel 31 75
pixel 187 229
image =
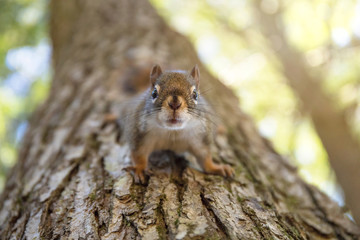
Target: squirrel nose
pixel 175 104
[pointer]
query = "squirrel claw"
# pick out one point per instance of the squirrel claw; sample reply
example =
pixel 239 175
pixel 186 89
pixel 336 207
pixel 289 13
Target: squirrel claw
pixel 139 177
pixel 139 174
pixel 226 171
pixel 221 169
pixel 229 171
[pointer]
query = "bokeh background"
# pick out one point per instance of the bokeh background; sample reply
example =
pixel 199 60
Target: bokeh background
pixel 325 34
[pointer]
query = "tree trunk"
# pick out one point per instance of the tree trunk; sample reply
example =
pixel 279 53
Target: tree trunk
pixel 69 182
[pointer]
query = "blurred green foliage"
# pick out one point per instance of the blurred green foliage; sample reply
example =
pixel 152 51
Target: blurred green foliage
pixel 228 41
pixel 22 85
pixel 22 22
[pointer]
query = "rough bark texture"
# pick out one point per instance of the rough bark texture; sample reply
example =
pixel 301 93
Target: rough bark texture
pixel 69 181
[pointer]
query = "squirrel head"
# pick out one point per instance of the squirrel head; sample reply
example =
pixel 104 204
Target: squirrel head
pixel 174 96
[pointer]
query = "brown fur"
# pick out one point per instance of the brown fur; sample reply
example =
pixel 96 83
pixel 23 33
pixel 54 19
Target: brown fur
pixel 175 120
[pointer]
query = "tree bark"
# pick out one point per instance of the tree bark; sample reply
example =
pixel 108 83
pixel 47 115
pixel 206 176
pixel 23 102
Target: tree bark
pixel 69 181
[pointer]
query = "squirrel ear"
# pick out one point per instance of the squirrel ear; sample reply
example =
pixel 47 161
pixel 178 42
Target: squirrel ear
pixel 195 73
pixel 155 73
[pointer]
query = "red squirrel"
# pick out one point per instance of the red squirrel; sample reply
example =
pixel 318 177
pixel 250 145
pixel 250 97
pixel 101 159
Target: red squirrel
pixel 171 115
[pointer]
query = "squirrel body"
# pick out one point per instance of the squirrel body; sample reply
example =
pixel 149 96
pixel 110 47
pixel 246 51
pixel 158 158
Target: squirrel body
pixel 170 115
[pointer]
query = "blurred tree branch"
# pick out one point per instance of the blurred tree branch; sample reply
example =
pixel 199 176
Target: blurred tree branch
pixel 349 110
pixel 343 150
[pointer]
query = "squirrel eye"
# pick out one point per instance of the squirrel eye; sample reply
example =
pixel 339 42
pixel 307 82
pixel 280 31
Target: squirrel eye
pixel 195 95
pixel 154 94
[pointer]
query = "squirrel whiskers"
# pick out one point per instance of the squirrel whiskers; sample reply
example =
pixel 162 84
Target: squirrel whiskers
pixel 171 115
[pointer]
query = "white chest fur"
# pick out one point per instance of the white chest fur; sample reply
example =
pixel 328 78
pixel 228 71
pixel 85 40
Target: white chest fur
pixel 179 141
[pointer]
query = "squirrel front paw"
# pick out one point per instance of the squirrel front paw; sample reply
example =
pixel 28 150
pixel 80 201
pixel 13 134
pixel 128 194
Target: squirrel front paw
pixel 220 169
pixel 139 174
